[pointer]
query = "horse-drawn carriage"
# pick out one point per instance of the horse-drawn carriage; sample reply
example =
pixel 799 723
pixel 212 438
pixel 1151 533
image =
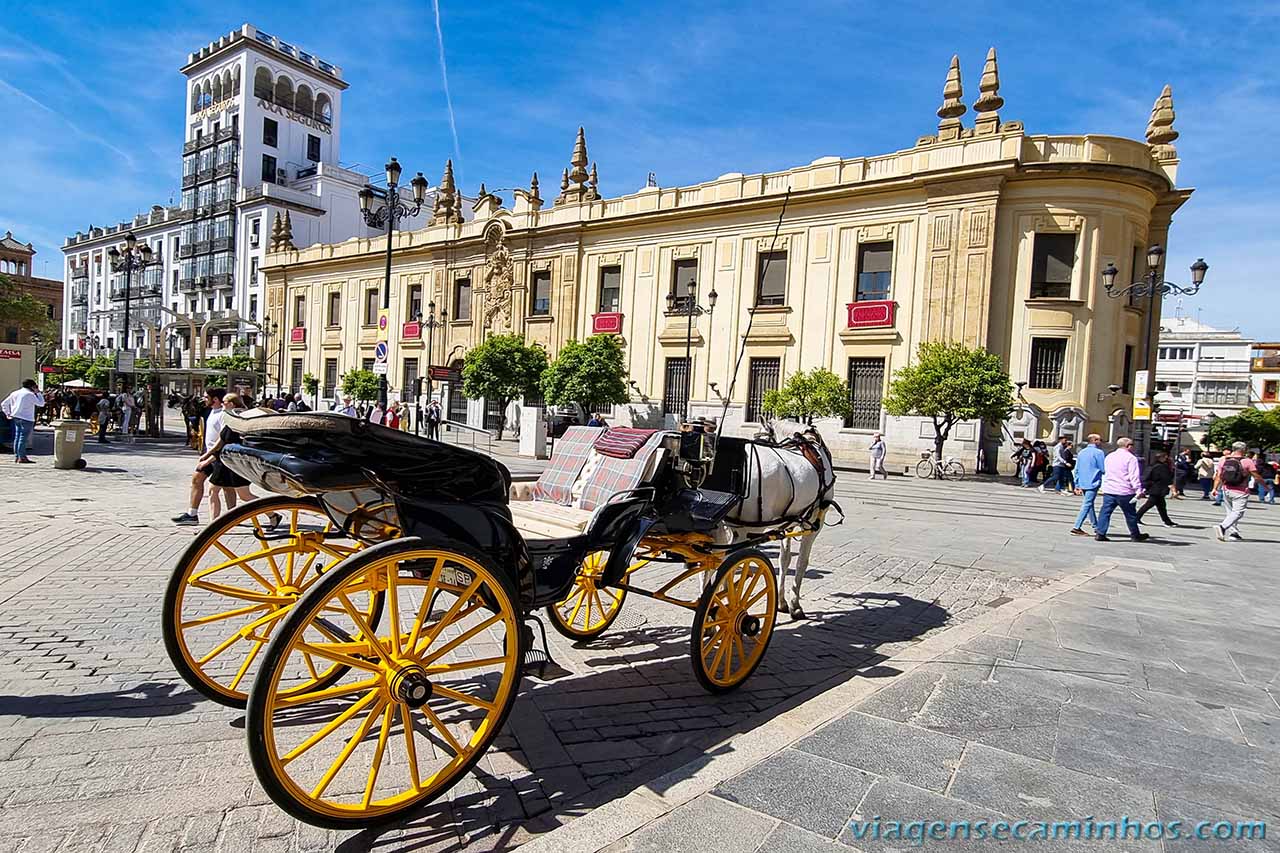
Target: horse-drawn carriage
pixel 374 616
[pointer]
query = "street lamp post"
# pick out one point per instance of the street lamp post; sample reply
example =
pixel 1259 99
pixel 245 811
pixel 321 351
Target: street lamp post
pixel 275 333
pixel 430 324
pixel 392 209
pixel 1151 285
pixel 692 309
pixel 133 257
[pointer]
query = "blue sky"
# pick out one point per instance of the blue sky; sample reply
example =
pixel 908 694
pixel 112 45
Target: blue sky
pixel 93 102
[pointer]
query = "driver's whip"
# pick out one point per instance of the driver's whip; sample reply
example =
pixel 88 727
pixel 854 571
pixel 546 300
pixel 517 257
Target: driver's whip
pixel 751 316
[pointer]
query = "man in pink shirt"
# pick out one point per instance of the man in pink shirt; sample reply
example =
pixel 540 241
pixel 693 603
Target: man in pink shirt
pixel 1231 479
pixel 1121 484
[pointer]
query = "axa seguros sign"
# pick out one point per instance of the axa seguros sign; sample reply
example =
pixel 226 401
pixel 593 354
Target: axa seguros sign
pixel 292 116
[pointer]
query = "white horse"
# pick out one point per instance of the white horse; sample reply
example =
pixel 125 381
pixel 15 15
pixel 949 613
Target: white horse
pixel 789 486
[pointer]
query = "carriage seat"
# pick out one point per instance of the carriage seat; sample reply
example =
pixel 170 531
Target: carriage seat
pixel 578 480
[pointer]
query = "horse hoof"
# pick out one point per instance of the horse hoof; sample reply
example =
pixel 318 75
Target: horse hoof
pixel 796 612
pixel 784 607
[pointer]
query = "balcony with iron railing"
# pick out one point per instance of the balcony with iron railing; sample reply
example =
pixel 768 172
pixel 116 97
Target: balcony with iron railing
pixel 140 290
pixel 139 318
pixel 80 294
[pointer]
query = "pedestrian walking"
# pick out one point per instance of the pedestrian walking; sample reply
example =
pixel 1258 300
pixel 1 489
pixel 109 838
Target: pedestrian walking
pixel 434 416
pixel 1121 485
pixel 1266 481
pixel 1039 460
pixel 1183 471
pixel 20 408
pixel 1088 479
pixel 104 417
pixel 392 419
pixel 1234 474
pixel 1063 459
pixel 127 404
pixel 1204 473
pixel 1156 483
pixel 227 485
pixel 1022 458
pixel 877 451
pixel 213 398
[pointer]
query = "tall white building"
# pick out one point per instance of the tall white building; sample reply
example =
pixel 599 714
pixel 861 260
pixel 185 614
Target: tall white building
pixel 1201 370
pixel 262 136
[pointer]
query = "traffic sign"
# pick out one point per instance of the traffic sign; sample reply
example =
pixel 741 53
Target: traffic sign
pixel 380 352
pixel 380 368
pixel 384 323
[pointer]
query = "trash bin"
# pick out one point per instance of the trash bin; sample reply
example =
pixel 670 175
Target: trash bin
pixel 68 443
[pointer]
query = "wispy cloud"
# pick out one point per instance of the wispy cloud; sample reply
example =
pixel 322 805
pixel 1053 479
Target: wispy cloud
pixel 92 137
pixel 448 98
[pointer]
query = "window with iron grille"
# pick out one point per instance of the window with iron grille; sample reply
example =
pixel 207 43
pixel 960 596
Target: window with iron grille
pixel 875 270
pixel 866 390
pixel 763 375
pixel 330 376
pixel 684 281
pixel 1210 392
pixel 409 391
pixel 457 404
pixel 462 299
pixel 1048 356
pixel 541 293
pixel 610 289
pixel 492 414
pixel 771 278
pixel 366 364
pixel 675 388
pixel 1053 256
pixel 295 376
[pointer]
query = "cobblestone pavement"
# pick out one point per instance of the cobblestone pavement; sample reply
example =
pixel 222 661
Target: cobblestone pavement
pixel 102 747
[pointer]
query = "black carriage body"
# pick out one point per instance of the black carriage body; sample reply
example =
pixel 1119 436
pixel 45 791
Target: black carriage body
pixel 379 483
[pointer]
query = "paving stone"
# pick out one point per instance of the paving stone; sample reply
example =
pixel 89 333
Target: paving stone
pixel 802 789
pixel 887 748
pixel 704 823
pixel 1191 815
pixel 791 839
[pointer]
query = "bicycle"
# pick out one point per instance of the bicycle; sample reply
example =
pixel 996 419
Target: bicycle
pixel 929 468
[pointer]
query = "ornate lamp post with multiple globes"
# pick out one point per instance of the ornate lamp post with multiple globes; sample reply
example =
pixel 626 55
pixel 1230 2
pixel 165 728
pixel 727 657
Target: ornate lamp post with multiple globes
pixel 431 323
pixel 392 209
pixel 132 257
pixel 1152 285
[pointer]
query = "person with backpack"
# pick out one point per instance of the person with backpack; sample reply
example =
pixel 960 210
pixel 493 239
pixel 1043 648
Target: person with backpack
pixel 1231 483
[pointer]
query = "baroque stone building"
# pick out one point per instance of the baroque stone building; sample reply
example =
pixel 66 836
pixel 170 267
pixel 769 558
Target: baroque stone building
pixel 984 234
pixel 17 264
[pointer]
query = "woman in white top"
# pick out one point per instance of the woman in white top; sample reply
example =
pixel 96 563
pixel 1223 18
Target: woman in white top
pixel 877 452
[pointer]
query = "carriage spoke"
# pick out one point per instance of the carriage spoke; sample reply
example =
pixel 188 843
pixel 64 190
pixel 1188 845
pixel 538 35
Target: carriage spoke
pixel 370 636
pixel 334 769
pixel 581 596
pixel 423 608
pixel 439 725
pixel 377 754
pixel 460 639
pixel 338 657
pixel 393 607
pixel 328 693
pixel 271 560
pixel 410 749
pixel 330 727
pixel 462 666
pixel 248 661
pixel 220 648
pixel 218 617
pixel 458 696
pixel 240 592
pixel 451 615
pixel 595 593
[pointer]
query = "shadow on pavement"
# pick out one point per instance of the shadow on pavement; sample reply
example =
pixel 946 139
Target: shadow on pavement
pixel 151 699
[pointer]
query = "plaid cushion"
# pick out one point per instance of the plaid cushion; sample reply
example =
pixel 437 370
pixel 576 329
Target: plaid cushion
pixel 622 442
pixel 571 452
pixel 614 475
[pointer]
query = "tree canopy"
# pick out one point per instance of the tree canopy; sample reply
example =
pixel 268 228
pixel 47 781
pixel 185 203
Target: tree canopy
pixel 949 383
pixel 239 361
pixel 95 371
pixel 1255 428
pixel 503 368
pixel 818 393
pixel 590 372
pixel 19 308
pixel 360 385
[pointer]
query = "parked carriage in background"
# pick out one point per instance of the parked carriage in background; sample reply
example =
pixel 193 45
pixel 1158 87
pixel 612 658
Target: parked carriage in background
pixel 374 617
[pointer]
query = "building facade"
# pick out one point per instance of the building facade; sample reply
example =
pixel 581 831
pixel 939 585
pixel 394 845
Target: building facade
pixel 983 234
pixel 1264 374
pixel 262 136
pixel 16 264
pixel 1201 370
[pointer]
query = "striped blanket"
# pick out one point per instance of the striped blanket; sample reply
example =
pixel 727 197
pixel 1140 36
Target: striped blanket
pixel 622 442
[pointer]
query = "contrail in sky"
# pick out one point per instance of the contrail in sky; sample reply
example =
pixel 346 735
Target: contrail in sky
pixel 444 76
pixel 79 130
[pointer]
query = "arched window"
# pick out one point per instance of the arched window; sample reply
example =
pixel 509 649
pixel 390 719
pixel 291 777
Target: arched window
pixel 207 94
pixel 235 81
pixel 217 89
pixel 284 92
pixel 195 98
pixel 324 109
pixel 303 102
pixel 262 84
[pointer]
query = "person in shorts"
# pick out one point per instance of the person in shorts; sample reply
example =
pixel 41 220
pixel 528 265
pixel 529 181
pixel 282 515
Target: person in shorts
pixel 204 467
pixel 227 484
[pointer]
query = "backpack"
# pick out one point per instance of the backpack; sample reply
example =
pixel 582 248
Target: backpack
pixel 1233 472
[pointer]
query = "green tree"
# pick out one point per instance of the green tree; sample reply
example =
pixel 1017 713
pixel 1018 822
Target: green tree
pixel 1255 428
pixel 99 372
pixel 949 383
pixel 239 361
pixel 19 308
pixel 591 372
pixel 71 368
pixel 312 386
pixel 361 385
pixel 502 368
pixel 819 393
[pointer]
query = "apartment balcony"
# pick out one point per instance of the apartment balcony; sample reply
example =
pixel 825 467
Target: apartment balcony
pixel 193 145
pixel 79 318
pixel 80 295
pixel 223 134
pixel 222 244
pixel 223 169
pixel 80 274
pixel 138 319
pixel 200 282
pixel 1220 366
pixel 189 181
pixel 224 206
pixel 219 280
pixel 138 291
pixel 224 315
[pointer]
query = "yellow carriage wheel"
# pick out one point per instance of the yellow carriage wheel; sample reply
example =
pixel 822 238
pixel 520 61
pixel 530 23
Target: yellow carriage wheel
pixel 734 621
pixel 424 694
pixel 590 608
pixel 236 580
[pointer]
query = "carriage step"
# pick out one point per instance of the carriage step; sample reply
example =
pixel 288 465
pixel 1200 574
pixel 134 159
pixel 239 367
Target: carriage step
pixel 538 661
